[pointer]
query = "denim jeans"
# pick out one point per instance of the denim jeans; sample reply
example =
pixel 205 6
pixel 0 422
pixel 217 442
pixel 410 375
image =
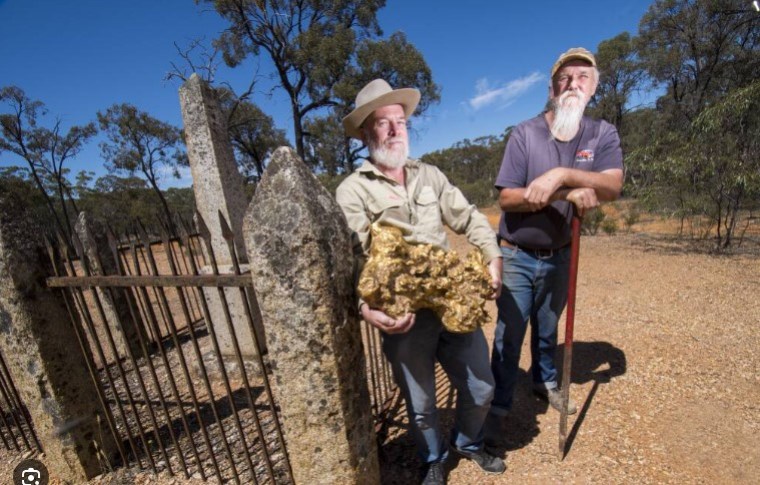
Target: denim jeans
pixel 535 291
pixel 464 358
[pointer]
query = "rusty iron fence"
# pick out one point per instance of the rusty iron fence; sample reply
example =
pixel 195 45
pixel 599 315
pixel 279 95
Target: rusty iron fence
pixel 177 405
pixel 384 395
pixel 16 430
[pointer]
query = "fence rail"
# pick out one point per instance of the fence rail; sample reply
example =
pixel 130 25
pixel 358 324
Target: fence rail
pixel 177 404
pixel 174 403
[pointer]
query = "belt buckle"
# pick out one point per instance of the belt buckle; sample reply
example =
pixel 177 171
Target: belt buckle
pixel 544 253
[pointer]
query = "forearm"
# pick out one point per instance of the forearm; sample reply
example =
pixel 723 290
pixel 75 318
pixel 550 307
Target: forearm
pixel 606 184
pixel 513 200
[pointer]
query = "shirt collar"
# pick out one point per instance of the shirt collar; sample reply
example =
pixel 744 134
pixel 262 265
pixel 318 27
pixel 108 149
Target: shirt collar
pixel 368 167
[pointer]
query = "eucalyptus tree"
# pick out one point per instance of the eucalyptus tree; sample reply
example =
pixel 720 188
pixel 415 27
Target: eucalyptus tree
pixel 138 144
pixel 620 74
pixel 699 50
pixel 394 59
pixel 252 133
pixel 725 150
pixel 45 150
pixel 313 46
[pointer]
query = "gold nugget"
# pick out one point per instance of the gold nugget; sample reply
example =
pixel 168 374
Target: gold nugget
pixel 400 278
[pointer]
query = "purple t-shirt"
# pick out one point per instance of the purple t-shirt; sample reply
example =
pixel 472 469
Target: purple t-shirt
pixel 531 151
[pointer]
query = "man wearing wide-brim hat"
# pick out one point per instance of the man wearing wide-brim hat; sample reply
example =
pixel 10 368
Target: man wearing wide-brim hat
pixel 393 189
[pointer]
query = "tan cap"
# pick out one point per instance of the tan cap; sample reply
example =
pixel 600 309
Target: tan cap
pixel 576 53
pixel 377 94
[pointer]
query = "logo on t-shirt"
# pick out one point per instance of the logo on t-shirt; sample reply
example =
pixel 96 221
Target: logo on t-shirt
pixel 584 156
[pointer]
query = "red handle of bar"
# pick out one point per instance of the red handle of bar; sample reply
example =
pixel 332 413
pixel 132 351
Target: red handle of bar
pixel 572 282
pixel 575 244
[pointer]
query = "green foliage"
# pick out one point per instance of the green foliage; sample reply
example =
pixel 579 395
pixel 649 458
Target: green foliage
pixel 620 74
pixel 631 216
pixel 140 144
pixel 609 225
pixel 472 165
pixel 322 53
pixel 45 150
pixel 592 221
pixel 120 201
pixel 15 181
pixel 331 182
pixel 252 133
pixel 395 60
pixel 699 50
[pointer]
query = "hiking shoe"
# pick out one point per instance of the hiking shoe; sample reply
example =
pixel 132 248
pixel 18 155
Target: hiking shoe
pixel 488 463
pixel 435 475
pixel 554 396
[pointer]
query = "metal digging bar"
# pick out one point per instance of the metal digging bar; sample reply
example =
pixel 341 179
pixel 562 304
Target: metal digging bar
pixel 567 361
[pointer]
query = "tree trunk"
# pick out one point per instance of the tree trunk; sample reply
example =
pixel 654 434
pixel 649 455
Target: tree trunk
pixel 165 206
pixel 298 129
pixel 65 231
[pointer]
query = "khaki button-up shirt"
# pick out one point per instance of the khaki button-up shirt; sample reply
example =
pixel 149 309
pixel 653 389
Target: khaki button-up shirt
pixel 420 209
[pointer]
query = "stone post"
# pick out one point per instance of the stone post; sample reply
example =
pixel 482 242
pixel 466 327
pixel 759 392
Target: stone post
pixel 101 261
pixel 302 266
pixel 218 189
pixel 43 354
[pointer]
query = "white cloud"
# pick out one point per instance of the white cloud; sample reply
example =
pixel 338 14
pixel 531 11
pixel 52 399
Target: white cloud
pixel 506 94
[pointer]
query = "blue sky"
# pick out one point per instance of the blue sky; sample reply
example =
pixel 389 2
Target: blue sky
pixel 491 59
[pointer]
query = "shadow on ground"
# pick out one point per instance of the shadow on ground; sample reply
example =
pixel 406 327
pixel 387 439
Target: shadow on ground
pixel 596 362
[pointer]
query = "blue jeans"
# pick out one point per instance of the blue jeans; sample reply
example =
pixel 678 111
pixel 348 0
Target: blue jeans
pixel 464 358
pixel 535 291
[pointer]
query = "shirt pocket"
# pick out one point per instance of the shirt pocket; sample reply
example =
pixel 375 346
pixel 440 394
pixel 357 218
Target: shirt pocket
pixel 384 207
pixel 428 210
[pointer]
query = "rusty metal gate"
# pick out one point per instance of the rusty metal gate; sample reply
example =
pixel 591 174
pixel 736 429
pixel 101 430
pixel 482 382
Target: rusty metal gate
pixel 16 429
pixel 176 405
pixel 163 409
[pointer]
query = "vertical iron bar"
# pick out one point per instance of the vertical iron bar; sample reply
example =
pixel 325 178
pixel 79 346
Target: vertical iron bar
pixel 13 407
pixel 82 339
pixel 133 360
pixel 229 237
pixel 8 382
pixel 371 365
pixel 153 269
pixel 2 433
pixel 154 290
pixel 84 311
pixel 112 344
pixel 220 363
pixel 146 355
pixel 376 362
pixel 10 429
pixel 190 294
pixel 159 344
pixel 206 381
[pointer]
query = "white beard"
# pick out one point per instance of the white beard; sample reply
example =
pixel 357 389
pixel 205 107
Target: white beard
pixel 568 110
pixel 389 157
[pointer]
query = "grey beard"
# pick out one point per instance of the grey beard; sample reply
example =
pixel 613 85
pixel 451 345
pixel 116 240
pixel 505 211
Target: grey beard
pixel 567 117
pixel 388 158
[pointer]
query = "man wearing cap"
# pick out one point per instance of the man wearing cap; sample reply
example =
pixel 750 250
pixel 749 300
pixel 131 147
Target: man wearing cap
pixel 552 162
pixel 393 189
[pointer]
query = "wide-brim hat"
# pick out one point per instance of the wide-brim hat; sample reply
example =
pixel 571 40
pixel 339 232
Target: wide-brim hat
pixel 573 54
pixel 377 94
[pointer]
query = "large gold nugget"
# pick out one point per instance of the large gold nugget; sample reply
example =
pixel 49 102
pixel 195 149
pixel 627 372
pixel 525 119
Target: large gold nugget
pixel 399 278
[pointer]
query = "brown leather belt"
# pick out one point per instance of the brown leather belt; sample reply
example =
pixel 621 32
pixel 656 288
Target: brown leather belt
pixel 539 253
